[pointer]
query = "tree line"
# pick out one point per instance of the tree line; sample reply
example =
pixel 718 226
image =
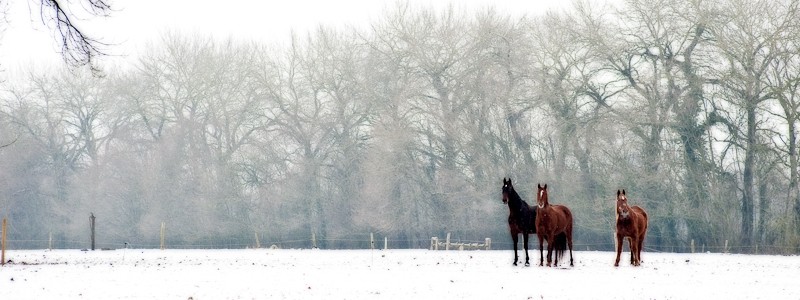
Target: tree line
pixel 407 127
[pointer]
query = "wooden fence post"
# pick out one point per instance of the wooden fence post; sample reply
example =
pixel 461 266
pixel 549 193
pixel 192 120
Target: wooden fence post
pixel 258 244
pixel 91 227
pixel 726 246
pixel 50 242
pixel 447 244
pixel 3 242
pixel 488 243
pixel 385 243
pixel 371 241
pixel 163 229
pixel 313 241
pixel 692 245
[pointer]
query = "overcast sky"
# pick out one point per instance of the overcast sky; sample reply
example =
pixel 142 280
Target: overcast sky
pixel 135 22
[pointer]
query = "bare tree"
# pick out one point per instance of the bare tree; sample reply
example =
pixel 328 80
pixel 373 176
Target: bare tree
pixel 78 48
pixel 749 41
pixel 783 79
pixel 35 108
pixel 393 200
pixel 636 81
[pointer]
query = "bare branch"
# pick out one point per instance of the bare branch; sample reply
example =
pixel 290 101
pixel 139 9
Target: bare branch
pixel 77 48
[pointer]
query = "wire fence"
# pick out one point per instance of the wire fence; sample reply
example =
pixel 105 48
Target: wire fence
pixel 363 240
pixel 379 243
pixel 234 243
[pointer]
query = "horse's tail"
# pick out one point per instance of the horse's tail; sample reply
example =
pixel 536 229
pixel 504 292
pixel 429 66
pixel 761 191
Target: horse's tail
pixel 560 244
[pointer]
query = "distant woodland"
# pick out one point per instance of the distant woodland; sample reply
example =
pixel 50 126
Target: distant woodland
pixel 405 129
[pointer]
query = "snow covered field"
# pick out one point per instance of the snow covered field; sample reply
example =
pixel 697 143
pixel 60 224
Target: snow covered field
pixel 391 274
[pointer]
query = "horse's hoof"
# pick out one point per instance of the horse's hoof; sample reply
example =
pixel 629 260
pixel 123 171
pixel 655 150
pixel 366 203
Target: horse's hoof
pixel 527 264
pixel 515 263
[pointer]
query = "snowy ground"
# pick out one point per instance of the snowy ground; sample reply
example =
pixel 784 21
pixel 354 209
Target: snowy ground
pixel 392 274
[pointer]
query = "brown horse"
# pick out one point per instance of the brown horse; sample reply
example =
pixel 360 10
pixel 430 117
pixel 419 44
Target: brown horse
pixel 521 218
pixel 554 224
pixel 631 223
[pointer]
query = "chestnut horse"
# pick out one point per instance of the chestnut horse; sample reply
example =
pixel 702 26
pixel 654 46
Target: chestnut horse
pixel 631 223
pixel 554 224
pixel 521 218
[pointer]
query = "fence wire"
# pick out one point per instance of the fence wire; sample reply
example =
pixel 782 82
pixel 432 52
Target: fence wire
pixel 360 243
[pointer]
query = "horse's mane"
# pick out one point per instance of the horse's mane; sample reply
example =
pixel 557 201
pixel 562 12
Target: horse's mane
pixel 515 197
pixel 525 214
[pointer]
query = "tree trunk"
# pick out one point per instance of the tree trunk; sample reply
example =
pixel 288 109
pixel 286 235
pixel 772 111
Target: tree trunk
pixel 664 232
pixel 523 143
pixel 584 156
pixel 747 179
pixel 691 135
pixel 794 193
pixel 763 206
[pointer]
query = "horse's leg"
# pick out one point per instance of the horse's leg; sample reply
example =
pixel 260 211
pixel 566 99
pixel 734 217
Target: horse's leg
pixel 631 247
pixel 638 250
pixel 569 244
pixel 555 252
pixel 515 238
pixel 620 240
pixel 541 250
pixel 550 241
pixel 641 245
pixel 634 249
pixel 525 240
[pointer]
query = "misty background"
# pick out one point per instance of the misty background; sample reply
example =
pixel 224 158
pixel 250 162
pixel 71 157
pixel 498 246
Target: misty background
pixel 406 127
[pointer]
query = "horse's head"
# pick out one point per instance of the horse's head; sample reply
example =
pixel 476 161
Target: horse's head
pixel 623 210
pixel 507 189
pixel 541 196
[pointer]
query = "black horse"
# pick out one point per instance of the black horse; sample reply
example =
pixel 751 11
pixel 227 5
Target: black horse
pixel 521 218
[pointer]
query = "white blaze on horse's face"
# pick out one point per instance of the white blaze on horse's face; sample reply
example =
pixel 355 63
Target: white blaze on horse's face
pixel 540 201
pixel 622 207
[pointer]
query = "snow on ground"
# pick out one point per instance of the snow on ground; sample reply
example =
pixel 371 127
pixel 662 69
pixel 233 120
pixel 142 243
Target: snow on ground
pixel 388 274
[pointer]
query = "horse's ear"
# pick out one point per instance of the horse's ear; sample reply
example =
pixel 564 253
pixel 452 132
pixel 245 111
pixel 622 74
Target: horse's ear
pixel 618 192
pixel 539 185
pixel 545 186
pixel 623 192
